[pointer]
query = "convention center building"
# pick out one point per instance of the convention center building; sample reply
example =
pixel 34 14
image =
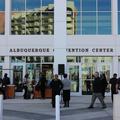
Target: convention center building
pixel 77 37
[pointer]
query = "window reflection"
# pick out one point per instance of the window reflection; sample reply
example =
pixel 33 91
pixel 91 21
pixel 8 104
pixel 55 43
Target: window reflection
pixel 118 16
pixel 17 59
pixel 2 5
pixel 0 71
pixel 2 17
pixel 18 5
pixel 93 17
pixel 88 5
pixel 33 5
pixel 88 23
pixel 33 23
pixel 49 4
pixel 104 5
pixel 104 22
pixel 1 59
pixel 18 23
pixel 73 5
pixel 2 22
pixel 37 17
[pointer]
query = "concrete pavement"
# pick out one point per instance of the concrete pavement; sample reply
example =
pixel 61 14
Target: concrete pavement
pixel 39 109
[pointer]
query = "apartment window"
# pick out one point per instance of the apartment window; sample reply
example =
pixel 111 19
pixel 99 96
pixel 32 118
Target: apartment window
pixel 118 16
pixel 32 17
pixel 91 17
pixel 2 17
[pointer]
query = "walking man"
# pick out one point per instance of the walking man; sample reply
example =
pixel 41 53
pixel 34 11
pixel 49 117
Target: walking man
pixel 114 85
pixel 97 91
pixel 66 90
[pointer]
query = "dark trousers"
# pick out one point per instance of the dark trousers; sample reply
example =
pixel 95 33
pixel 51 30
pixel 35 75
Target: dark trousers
pixel 100 97
pixel 42 93
pixel 3 90
pixel 66 97
pixel 112 93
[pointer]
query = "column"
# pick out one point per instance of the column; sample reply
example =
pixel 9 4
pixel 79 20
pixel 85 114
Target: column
pixel 59 33
pixel 115 64
pixel 114 17
pixel 7 17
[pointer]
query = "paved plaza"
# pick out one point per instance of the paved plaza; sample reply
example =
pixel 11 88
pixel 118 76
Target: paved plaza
pixel 39 109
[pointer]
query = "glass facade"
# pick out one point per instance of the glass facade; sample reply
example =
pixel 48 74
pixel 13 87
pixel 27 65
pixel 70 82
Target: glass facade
pixel 79 68
pixel 32 17
pixel 118 16
pixel 34 64
pixel 1 66
pixel 89 17
pixel 2 16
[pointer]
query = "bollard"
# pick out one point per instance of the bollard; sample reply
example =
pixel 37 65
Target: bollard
pixel 57 105
pixel 116 107
pixel 1 107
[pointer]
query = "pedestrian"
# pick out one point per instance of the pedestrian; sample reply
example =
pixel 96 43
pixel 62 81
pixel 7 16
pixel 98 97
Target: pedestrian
pixel 56 86
pixel 88 83
pixel 25 83
pixel 5 82
pixel 114 85
pixel 42 84
pixel 66 90
pixel 97 91
pixel 104 83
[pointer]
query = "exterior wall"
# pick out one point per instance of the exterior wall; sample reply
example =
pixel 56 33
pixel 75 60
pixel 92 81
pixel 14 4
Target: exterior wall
pixel 96 45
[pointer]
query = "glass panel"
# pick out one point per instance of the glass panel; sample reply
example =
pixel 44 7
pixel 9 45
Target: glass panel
pixel 18 23
pixel 2 5
pixel 0 71
pixel 104 22
pixel 88 69
pixel 77 23
pixel 47 23
pixel 92 64
pixel 37 72
pixel 18 59
pixel 47 69
pixel 73 5
pixel 88 5
pixel 30 69
pixel 33 23
pixel 47 5
pixel 88 23
pixel 18 5
pixel 71 59
pixel 104 5
pixel 49 59
pixel 118 5
pixel 74 77
pixel 70 23
pixel 2 23
pixel 32 59
pixel 18 77
pixel 1 59
pixel 33 5
pixel 118 22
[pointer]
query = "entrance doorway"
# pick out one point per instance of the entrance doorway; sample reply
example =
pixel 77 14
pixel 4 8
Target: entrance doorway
pixel 17 73
pixel 74 73
pixel 88 71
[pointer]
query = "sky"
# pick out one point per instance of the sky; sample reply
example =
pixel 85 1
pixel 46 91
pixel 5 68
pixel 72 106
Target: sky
pixel 30 4
pixel 2 5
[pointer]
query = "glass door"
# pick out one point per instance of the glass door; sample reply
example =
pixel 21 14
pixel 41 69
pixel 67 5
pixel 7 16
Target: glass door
pixel 105 68
pixel 1 71
pixel 17 75
pixel 74 73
